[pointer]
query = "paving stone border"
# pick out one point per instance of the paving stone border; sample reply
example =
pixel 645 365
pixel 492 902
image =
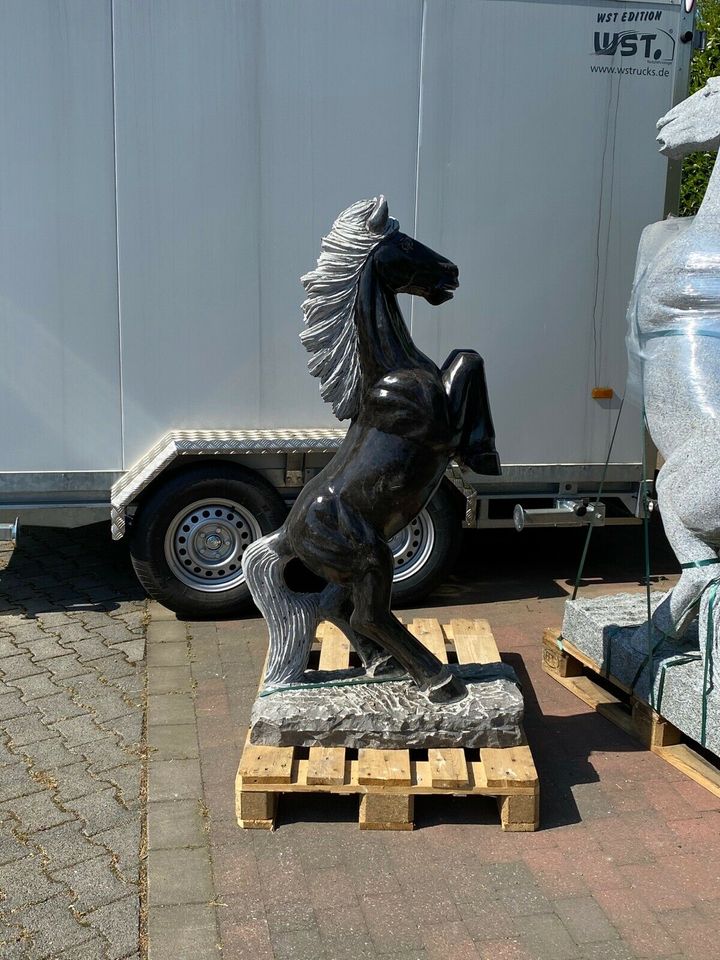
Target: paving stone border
pixel 182 908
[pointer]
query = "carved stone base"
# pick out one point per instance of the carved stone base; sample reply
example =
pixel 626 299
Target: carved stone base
pixel 612 632
pixel 392 714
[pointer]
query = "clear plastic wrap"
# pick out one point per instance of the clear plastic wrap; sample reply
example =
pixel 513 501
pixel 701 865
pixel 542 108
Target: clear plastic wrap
pixel 654 238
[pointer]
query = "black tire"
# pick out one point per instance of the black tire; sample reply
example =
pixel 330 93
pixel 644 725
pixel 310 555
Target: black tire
pixel 157 529
pixel 431 563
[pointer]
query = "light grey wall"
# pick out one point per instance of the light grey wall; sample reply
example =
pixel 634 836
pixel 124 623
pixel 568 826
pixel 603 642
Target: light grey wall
pixel 538 176
pixel 59 364
pixel 242 128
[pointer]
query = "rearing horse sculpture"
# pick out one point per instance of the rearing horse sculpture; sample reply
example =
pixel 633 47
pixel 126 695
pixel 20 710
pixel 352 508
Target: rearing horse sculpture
pixel 675 331
pixel 407 419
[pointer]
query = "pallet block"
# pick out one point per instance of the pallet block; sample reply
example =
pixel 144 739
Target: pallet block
pixel 387 781
pixel 615 701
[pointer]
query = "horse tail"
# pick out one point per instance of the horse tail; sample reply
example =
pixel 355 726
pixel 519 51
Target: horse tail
pixel 292 618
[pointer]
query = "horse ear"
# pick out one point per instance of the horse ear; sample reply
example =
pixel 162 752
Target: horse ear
pixel 377 221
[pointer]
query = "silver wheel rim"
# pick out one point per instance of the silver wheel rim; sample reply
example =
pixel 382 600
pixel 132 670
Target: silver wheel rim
pixel 205 542
pixel 412 546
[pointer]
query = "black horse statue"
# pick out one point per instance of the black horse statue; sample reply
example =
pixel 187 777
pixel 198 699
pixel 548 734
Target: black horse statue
pixel 407 419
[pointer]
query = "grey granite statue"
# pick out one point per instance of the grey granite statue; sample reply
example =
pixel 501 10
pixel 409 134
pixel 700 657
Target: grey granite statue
pixel 677 315
pixel 674 353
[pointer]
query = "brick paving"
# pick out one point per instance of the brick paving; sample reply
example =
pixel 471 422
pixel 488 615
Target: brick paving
pixel 71 718
pixel 626 865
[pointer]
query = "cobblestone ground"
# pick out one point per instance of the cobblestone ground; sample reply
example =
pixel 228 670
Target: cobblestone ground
pixel 71 716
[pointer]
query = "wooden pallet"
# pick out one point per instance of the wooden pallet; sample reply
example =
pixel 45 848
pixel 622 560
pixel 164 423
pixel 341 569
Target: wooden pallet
pixel 388 781
pixel 614 700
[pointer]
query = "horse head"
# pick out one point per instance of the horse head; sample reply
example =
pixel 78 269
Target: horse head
pixel 694 124
pixel 407 266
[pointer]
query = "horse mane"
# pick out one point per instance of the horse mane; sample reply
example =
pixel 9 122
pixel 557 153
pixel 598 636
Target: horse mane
pixel 331 335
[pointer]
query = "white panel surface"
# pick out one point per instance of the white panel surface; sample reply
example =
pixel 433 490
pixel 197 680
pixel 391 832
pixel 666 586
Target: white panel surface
pixel 338 103
pixel 243 129
pixel 240 129
pixel 537 176
pixel 59 377
pixel 188 215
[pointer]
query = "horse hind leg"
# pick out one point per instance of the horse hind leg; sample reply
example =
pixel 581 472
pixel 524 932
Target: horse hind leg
pixel 691 518
pixel 372 617
pixel 337 607
pixel 292 618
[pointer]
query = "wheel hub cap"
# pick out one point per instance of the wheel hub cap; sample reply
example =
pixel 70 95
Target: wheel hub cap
pixel 412 546
pixel 205 543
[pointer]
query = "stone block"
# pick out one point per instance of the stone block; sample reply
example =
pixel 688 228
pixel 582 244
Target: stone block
pixel 391 714
pixel 612 632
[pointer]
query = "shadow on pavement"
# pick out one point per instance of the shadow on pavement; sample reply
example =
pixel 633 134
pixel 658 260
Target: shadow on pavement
pixel 84 568
pixel 502 565
pixel 51 569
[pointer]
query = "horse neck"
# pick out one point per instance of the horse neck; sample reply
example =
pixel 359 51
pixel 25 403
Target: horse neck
pixel 384 340
pixel 709 212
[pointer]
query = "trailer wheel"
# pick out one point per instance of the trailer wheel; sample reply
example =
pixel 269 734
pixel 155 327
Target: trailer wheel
pixel 425 551
pixel 188 537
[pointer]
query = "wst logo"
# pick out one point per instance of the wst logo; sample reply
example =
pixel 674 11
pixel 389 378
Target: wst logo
pixel 658 47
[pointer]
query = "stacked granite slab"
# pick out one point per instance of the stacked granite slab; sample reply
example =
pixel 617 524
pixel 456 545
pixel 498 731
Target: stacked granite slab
pixel 612 632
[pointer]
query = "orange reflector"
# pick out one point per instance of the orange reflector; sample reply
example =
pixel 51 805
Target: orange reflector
pixel 602 393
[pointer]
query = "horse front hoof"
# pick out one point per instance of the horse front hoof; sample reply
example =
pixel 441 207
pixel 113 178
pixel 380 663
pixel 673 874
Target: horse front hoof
pixel 487 463
pixel 448 690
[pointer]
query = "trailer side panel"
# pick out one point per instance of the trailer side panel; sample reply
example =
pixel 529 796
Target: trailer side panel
pixel 59 354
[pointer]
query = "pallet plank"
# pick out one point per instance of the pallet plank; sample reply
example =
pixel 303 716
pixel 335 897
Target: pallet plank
pixel 601 700
pixel 391 767
pixel 326 765
pixel 684 758
pixel 474 641
pixel 335 649
pixel 508 766
pixel 429 633
pixel 448 767
pixel 263 764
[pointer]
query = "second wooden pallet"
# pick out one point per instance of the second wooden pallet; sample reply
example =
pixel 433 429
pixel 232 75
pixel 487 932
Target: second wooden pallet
pixel 615 701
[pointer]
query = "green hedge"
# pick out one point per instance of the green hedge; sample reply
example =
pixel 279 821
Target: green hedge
pixel 697 167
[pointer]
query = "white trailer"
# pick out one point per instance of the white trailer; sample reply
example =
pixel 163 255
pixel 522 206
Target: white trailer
pixel 167 170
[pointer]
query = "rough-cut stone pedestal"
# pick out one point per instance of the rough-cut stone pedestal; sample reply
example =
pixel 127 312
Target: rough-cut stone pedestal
pixel 612 631
pixel 393 714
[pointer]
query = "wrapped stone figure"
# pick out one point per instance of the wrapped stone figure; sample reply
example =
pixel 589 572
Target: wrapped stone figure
pixel 674 343
pixel 674 354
